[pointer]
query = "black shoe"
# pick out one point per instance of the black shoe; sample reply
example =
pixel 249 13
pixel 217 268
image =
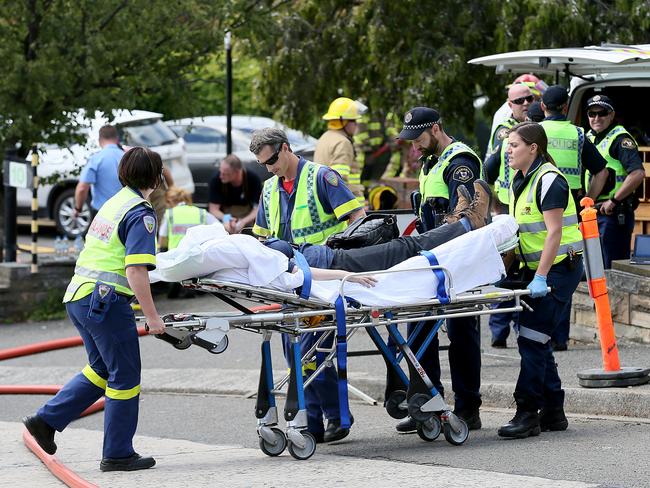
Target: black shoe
pixel 499 343
pixel 334 431
pixel 552 418
pixel 132 463
pixel 407 426
pixel 42 433
pixel 523 424
pixel 471 418
pixel 559 346
pixel 318 436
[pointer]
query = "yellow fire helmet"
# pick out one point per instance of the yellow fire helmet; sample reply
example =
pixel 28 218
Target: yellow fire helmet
pixel 342 109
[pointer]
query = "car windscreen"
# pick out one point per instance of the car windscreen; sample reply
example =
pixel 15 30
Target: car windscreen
pixel 146 133
pixel 296 138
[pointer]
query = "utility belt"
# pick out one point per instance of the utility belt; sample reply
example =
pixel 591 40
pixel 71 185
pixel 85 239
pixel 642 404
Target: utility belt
pixel 623 208
pixel 431 214
pixel 569 263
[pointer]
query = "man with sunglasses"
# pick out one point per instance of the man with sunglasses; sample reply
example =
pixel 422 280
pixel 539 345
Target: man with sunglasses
pixel 625 173
pixel 574 154
pixel 519 99
pixel 305 202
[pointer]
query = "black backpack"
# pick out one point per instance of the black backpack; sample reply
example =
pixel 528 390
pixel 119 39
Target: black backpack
pixel 371 230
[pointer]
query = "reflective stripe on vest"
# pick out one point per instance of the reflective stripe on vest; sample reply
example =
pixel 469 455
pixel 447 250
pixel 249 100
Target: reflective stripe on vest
pixel 506 174
pixel 565 143
pixel 532 228
pixel 103 256
pixel 432 184
pixel 180 219
pixel 603 148
pixel 309 221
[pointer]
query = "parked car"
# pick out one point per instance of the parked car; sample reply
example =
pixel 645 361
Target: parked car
pixel 205 142
pixel 135 128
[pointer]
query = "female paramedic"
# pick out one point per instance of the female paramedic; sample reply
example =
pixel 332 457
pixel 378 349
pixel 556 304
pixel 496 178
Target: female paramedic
pixel 113 267
pixel 550 253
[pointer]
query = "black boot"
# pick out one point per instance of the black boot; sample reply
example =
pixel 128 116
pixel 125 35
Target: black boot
pixel 334 431
pixel 42 433
pixel 471 418
pixel 406 426
pixel 131 463
pixel 524 424
pixel 552 418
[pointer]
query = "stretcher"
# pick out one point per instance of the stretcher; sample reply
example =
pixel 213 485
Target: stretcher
pixel 408 393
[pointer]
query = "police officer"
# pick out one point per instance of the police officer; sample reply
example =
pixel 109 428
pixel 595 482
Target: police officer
pixel 304 202
pixel 520 97
pixel 574 154
pixel 335 148
pixel 550 247
pixel 447 165
pixel 113 267
pixel 626 173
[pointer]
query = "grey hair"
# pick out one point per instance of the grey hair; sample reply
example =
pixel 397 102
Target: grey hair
pixel 269 136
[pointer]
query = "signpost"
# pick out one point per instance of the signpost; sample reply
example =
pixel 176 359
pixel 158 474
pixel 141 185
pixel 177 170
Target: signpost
pixel 17 174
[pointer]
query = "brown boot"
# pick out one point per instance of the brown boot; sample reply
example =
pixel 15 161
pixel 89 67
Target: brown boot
pixel 478 212
pixel 462 205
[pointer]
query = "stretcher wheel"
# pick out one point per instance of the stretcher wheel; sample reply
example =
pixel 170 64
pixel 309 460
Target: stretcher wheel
pixel 395 399
pixel 430 430
pixel 184 343
pixel 277 447
pixel 304 452
pixel 415 402
pixel 453 437
pixel 221 347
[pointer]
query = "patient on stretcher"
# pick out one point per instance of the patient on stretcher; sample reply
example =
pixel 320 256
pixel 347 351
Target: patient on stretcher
pixel 471 257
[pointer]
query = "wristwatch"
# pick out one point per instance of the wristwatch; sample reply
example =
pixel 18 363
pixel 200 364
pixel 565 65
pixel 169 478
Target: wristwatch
pixel 615 201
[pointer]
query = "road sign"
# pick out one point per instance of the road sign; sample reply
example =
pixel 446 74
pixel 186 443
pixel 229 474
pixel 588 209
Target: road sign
pixel 17 174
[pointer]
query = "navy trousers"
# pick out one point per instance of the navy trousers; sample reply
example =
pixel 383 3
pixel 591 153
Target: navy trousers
pixel 113 363
pixel 539 384
pixel 615 237
pixel 322 394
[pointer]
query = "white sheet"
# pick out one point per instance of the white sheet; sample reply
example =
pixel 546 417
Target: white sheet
pixel 472 259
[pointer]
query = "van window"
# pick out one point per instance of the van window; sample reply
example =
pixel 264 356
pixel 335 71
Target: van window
pixel 146 133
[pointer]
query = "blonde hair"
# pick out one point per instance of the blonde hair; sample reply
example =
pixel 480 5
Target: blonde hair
pixel 176 195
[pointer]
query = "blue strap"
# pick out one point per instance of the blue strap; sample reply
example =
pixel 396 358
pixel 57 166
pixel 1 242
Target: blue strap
pixel 341 362
pixel 305 290
pixel 441 293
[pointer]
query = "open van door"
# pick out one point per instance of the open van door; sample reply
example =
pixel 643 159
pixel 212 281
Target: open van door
pixel 620 71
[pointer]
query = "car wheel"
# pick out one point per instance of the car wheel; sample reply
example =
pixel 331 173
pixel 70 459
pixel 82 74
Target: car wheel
pixel 66 223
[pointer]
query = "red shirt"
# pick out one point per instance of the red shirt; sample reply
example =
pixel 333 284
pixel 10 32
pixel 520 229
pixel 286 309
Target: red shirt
pixel 288 185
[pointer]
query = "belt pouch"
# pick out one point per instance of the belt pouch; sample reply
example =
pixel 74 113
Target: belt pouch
pixel 102 297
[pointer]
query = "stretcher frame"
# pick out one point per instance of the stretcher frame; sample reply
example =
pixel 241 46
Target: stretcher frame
pixel 412 395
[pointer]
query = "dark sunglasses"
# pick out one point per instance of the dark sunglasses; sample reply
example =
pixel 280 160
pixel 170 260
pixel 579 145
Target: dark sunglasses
pixel 521 100
pixel 273 159
pixel 600 113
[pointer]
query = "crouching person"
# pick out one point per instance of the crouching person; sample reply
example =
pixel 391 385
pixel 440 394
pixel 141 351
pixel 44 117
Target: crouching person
pixel 113 267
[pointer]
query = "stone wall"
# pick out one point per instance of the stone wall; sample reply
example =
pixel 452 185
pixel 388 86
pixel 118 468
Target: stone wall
pixel 21 292
pixel 629 297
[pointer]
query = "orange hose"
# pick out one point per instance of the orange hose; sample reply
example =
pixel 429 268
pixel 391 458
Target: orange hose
pixel 266 308
pixel 47 390
pixel 15 352
pixel 56 467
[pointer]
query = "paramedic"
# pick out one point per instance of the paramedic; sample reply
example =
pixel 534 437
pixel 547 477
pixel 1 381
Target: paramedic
pixel 625 174
pixel 550 252
pixel 447 165
pixel 112 268
pixel 304 202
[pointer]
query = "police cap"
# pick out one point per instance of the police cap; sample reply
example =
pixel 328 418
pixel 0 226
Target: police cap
pixel 416 121
pixel 555 96
pixel 601 101
pixel 535 112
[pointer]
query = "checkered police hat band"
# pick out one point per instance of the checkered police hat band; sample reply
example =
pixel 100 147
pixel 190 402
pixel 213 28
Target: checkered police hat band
pixel 602 104
pixel 419 126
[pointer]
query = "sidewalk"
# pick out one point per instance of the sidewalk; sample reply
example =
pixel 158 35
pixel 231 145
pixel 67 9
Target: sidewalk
pixel 186 463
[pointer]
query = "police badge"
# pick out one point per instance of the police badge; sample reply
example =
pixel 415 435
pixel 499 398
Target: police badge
pixel 149 223
pixel 408 117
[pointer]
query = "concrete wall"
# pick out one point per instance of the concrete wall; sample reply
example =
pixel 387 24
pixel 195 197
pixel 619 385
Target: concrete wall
pixel 22 292
pixel 629 297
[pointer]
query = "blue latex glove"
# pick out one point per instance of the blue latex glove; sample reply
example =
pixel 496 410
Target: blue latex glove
pixel 538 287
pixel 226 218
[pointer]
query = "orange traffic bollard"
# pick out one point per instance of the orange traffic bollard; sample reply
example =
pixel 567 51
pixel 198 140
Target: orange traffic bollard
pixel 612 374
